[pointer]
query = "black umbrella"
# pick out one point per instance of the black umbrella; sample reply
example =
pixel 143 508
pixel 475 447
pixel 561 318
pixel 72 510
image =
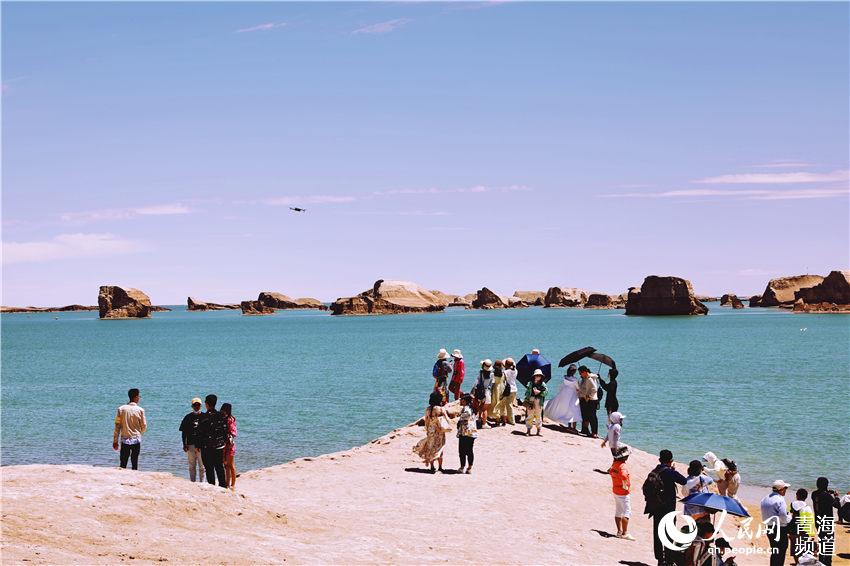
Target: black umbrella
pixel 603 359
pixel 576 356
pixel 530 362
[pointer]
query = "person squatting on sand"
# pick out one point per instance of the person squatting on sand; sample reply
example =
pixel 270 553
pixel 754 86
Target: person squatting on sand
pixel 441 372
pixel 458 373
pixel 130 425
pixel 466 434
pixel 621 487
pixel 564 407
pixel 230 447
pixel 535 395
pixel 430 448
pixel 483 392
pixel 589 402
pixel 212 435
pixel 191 444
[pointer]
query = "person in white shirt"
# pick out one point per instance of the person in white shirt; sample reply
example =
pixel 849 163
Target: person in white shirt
pixel 588 402
pixel 774 513
pixel 130 425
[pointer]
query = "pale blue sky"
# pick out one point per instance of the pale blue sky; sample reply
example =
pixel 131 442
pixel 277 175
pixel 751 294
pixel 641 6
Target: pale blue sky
pixel 511 145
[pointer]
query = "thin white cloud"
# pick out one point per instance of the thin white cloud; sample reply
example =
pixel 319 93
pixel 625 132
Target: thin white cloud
pixel 88 216
pixel 749 194
pixel 440 191
pixel 68 246
pixel 302 200
pixel 782 164
pixel 382 27
pixel 262 27
pixel 777 178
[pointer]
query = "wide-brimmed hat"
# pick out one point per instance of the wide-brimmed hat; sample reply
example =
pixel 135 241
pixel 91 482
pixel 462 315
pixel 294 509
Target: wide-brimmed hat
pixel 510 361
pixel 486 363
pixel 537 372
pixel 500 363
pixel 442 354
pixel 456 354
pixel 196 400
pixel 535 351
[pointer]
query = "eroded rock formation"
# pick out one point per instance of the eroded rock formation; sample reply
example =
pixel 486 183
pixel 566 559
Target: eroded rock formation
pixel 487 299
pixel 68 308
pixel 532 298
pixel 390 297
pixel 780 291
pixel 281 301
pixel 117 302
pixel 564 297
pixel 664 296
pixel 196 305
pixel 603 301
pixel 731 300
pixel 830 295
pixel 254 308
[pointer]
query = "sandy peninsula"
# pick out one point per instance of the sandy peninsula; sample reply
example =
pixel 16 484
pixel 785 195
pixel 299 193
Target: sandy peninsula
pixel 537 500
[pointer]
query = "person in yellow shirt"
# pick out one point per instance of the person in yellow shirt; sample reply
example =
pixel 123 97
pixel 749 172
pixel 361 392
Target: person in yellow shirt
pixel 130 425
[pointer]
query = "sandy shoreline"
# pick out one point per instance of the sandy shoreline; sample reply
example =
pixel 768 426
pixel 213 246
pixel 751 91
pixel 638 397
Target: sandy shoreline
pixel 528 500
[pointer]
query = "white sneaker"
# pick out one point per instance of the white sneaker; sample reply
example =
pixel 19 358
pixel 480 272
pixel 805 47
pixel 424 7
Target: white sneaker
pixel 627 537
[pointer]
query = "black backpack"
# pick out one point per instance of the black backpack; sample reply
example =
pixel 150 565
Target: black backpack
pixel 653 491
pixel 219 432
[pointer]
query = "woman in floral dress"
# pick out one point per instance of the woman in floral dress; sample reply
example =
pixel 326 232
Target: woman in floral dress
pixel 430 448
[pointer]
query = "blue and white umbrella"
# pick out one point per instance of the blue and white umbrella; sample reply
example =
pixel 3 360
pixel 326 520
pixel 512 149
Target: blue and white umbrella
pixel 717 503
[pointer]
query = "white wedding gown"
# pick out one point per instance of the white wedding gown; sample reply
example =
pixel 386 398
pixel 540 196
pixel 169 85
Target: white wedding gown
pixel 564 408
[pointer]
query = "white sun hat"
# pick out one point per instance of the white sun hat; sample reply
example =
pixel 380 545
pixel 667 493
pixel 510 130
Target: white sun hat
pixel 486 363
pixel 456 354
pixel 535 351
pixel 537 372
pixel 442 355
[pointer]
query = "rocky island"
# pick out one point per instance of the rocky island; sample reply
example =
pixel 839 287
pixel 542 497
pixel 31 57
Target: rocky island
pixel 116 302
pixel 196 305
pixel 780 291
pixel 390 297
pixel 664 296
pixel 564 297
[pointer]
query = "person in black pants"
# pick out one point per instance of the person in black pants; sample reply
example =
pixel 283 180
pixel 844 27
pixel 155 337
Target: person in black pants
pixel 212 436
pixel 588 402
pixel 611 402
pixel 663 502
pixel 824 501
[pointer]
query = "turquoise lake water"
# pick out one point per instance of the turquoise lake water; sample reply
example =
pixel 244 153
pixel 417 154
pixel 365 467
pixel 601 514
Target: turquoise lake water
pixel 747 384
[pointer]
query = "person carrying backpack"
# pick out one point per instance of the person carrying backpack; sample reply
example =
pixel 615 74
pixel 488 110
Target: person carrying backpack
pixel 441 371
pixel 212 436
pixel 659 492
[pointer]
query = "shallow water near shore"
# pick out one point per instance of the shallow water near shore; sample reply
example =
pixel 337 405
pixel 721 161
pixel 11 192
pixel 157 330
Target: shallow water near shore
pixel 751 385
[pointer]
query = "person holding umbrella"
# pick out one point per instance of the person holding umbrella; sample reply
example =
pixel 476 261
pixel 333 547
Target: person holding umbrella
pixel 588 402
pixel 534 398
pixel 612 404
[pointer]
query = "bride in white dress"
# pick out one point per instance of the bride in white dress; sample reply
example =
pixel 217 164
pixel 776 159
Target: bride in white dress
pixel 564 407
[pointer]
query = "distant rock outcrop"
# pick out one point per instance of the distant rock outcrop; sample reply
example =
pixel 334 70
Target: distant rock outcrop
pixel 196 305
pixel 707 299
pixel 564 297
pixel 731 300
pixel 603 301
pixel 532 298
pixel 830 295
pixel 754 300
pixel 280 301
pixel 780 291
pixel 487 299
pixel 117 302
pixel 389 297
pixel 68 308
pixel 254 308
pixel 664 296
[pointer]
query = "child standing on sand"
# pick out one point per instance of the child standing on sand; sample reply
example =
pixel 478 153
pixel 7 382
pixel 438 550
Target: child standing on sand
pixel 621 487
pixel 467 432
